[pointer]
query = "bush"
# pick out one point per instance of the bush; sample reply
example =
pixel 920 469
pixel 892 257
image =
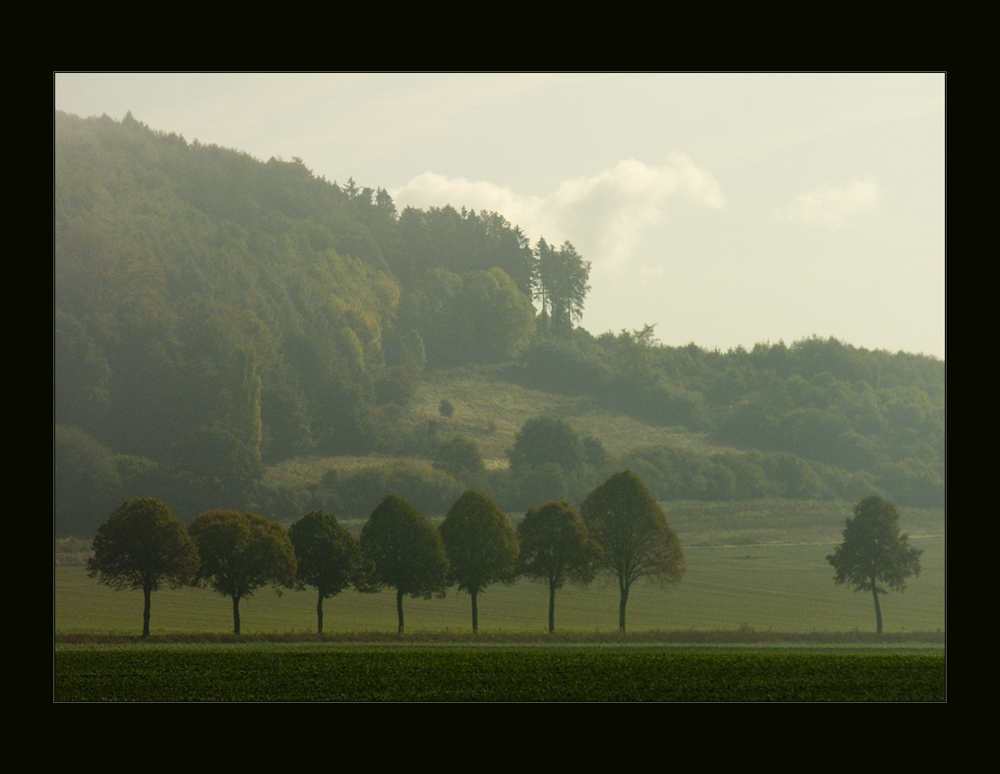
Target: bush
pixel 356 493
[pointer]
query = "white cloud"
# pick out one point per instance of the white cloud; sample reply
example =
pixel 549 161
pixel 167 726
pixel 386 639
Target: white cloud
pixel 831 207
pixel 606 213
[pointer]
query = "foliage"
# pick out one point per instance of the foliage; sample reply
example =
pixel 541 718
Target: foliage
pixel 328 557
pixel 460 457
pixel 405 550
pixel 874 553
pixel 481 545
pixel 201 294
pixel 560 284
pixel 240 552
pixel 87 481
pixel 544 439
pixel 355 493
pixel 556 547
pixel 599 673
pixel 633 533
pixel 143 545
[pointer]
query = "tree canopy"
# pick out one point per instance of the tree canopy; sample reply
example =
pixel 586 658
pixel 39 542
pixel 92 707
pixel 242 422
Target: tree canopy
pixel 328 557
pixel 405 550
pixel 481 546
pixel 544 439
pixel 633 533
pixel 460 456
pixel 240 552
pixel 874 554
pixel 556 547
pixel 560 284
pixel 143 545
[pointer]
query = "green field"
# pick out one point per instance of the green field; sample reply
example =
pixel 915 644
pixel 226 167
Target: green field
pixel 502 673
pixel 781 631
pixel 779 588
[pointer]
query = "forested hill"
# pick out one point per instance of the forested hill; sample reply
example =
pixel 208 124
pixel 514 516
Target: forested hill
pixel 215 313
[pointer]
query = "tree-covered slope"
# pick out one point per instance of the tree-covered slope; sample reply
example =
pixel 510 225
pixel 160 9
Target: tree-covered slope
pixel 216 314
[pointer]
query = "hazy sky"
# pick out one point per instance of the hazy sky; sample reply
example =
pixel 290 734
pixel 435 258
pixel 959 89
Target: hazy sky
pixel 726 209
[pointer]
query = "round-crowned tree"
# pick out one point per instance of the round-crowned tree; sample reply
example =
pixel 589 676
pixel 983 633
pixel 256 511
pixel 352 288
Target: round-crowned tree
pixel 874 552
pixel 240 552
pixel 461 458
pixel 633 533
pixel 481 545
pixel 405 551
pixel 328 557
pixel 556 547
pixel 143 545
pixel 543 440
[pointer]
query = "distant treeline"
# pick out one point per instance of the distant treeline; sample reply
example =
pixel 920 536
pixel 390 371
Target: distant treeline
pixel 860 418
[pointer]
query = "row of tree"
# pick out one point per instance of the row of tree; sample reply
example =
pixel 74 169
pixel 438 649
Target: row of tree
pixel 619 530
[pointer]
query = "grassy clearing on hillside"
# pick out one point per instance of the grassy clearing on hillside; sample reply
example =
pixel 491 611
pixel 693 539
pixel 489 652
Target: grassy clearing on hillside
pixel 491 411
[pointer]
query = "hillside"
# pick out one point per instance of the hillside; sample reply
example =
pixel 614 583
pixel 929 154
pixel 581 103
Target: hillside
pixel 237 333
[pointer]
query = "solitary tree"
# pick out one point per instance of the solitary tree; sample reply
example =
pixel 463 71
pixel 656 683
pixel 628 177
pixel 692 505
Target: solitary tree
pixel 461 458
pixel 875 552
pixel 481 545
pixel 143 545
pixel 240 552
pixel 631 529
pixel 556 547
pixel 328 557
pixel 542 440
pixel 405 550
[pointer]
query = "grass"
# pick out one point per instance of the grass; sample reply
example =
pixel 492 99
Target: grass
pixel 394 673
pixel 760 588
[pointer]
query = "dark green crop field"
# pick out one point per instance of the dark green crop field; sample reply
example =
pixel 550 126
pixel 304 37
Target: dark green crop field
pixel 488 673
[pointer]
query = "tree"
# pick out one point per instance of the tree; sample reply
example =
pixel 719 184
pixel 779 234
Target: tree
pixel 560 284
pixel 88 481
pixel 556 547
pixel 631 529
pixel 544 439
pixel 875 552
pixel 481 546
pixel 143 545
pixel 461 458
pixel 328 557
pixel 240 552
pixel 405 550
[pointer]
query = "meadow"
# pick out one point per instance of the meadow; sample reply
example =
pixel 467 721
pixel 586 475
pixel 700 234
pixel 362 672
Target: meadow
pixel 779 588
pixel 754 619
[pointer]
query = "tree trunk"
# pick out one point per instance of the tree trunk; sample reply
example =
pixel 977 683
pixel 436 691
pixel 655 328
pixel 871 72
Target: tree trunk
pixel 319 614
pixel 236 614
pixel 399 609
pixel 475 612
pixel 147 593
pixel 552 607
pixel 878 609
pixel 621 608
